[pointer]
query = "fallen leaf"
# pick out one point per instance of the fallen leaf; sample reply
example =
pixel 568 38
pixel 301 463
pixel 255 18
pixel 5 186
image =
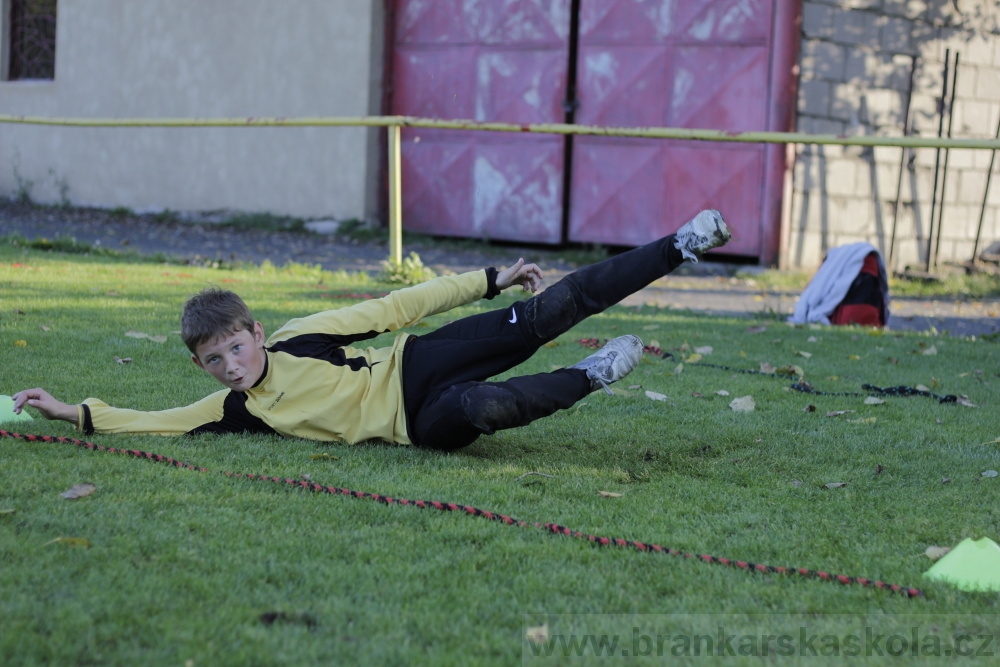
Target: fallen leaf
pixel 44 328
pixel 964 400
pixel 20 343
pixel 767 368
pixel 757 329
pixel 609 494
pixel 704 350
pixel 935 553
pixel 872 400
pixel 158 339
pixel 697 394
pixel 835 485
pixel 693 359
pixel 635 386
pixel 990 442
pixel 81 490
pixel 853 357
pixel 807 355
pixel 132 333
pixel 921 387
pixel 655 396
pixel 71 542
pixel 809 408
pixel 743 404
pixel 812 339
pixel 126 360
pixel 932 350
pixel 990 473
pixel 791 371
pixel 866 420
pixel 317 457
pixel 945 480
pixel 551 343
pixel 837 413
pixel 651 327
pixel 722 392
pixel 743 354
pixel 538 634
pixel 679 369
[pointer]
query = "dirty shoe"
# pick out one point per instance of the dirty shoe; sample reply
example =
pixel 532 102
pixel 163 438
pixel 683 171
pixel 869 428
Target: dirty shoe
pixel 611 363
pixel 705 231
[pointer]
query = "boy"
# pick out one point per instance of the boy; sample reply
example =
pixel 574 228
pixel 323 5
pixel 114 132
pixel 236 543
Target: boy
pixel 431 390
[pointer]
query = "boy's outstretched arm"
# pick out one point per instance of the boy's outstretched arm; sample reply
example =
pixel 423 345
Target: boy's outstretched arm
pixel 45 403
pixel 528 276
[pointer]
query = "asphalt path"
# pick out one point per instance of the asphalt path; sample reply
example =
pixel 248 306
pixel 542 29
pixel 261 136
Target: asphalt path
pixel 708 287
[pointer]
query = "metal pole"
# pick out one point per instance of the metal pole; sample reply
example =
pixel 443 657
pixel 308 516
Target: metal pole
pixel 947 153
pixel 902 163
pixel 395 197
pixel 937 159
pixel 986 194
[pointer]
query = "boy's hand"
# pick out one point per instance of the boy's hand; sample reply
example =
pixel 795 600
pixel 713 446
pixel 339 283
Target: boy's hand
pixel 528 276
pixel 43 401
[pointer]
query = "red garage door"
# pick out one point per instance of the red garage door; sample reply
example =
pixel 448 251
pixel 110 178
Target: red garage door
pixel 717 64
pixel 486 60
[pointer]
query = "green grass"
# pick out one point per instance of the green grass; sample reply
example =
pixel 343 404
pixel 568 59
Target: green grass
pixel 196 568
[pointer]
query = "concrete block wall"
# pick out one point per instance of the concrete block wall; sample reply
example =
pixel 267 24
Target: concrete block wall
pixel 855 62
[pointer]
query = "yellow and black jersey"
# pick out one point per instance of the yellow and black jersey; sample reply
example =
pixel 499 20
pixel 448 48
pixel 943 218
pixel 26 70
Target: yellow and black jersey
pixel 315 384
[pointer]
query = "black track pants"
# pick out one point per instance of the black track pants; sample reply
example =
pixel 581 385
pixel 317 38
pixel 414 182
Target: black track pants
pixel 448 401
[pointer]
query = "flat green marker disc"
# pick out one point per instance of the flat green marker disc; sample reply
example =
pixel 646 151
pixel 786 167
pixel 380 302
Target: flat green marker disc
pixel 7 411
pixel 974 565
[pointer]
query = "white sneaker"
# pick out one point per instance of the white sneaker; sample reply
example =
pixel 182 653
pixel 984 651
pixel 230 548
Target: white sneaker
pixel 611 363
pixel 705 231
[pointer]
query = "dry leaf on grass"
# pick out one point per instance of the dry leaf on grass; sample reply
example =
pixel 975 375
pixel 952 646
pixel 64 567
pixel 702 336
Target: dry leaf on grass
pixel 635 386
pixel 704 350
pixel 20 343
pixel 79 491
pixel 538 634
pixel 809 408
pixel 834 485
pixel 964 400
pixel 990 473
pixel 803 354
pixel 655 396
pixel 923 387
pixel 693 359
pixel 871 400
pixel 837 413
pixel 132 333
pixel 767 368
pixel 929 351
pixel 812 339
pixel 743 404
pixel 44 328
pixel 317 457
pixel 722 392
pixel 126 360
pixel 867 420
pixel 609 494
pixel 71 541
pixel 935 553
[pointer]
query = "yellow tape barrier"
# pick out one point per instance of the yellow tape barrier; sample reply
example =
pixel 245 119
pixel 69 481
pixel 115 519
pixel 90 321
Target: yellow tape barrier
pixel 536 128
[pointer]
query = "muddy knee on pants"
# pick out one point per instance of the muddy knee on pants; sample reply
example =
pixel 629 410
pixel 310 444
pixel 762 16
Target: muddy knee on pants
pixel 490 408
pixel 553 311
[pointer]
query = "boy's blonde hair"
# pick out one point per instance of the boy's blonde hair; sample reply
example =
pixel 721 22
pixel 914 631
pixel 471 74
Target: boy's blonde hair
pixel 211 313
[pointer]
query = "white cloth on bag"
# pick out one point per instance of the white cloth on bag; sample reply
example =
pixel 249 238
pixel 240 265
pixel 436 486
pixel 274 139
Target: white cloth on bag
pixel 833 280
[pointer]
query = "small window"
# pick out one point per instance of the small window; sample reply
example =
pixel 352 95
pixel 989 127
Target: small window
pixel 30 39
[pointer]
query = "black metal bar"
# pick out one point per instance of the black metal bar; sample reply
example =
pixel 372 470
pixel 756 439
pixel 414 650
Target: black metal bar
pixel 937 159
pixel 986 194
pixel 902 163
pixel 947 154
pixel 570 104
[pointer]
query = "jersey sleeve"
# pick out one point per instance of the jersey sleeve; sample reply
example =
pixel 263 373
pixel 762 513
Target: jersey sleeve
pixel 96 416
pixel 398 309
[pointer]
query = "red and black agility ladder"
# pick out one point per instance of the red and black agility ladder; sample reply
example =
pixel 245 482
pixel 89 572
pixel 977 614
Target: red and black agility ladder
pixel 475 511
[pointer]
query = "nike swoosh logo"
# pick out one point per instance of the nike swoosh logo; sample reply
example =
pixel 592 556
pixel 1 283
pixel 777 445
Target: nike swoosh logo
pixel 513 316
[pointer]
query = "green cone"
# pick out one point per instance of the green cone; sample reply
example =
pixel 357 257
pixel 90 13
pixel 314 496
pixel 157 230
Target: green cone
pixel 974 565
pixel 7 411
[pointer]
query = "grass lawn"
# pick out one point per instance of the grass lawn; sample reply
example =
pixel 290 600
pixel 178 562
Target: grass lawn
pixel 188 568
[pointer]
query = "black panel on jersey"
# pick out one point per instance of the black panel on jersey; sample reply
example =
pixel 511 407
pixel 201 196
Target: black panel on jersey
pixel 235 418
pixel 325 347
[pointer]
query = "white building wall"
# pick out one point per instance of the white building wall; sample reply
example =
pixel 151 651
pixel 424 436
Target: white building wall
pixel 855 61
pixel 201 59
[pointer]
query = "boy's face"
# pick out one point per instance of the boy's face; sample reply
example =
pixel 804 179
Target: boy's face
pixel 236 360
